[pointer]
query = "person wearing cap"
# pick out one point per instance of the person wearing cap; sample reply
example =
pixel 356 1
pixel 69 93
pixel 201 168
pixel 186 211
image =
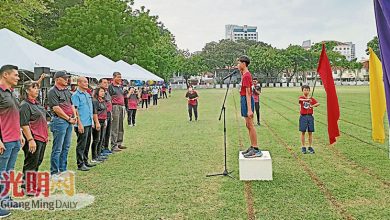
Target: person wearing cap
pixel 64 117
pixel 82 101
pixel 118 112
pixel 34 125
pixel 11 137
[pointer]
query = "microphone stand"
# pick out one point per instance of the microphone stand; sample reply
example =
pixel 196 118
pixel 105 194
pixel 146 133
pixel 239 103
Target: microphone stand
pixel 223 111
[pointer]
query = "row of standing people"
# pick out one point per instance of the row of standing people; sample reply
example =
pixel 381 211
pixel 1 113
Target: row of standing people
pixel 97 121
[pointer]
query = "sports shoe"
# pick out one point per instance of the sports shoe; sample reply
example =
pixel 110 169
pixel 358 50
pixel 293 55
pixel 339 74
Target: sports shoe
pixel 247 150
pixel 311 150
pixel 253 153
pixel 90 165
pixel 304 150
pixel 106 151
pixel 4 213
pixel 95 161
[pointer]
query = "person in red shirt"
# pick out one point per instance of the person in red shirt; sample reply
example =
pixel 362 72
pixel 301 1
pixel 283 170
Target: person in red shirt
pixel 256 96
pixel 247 106
pixel 132 105
pixel 192 97
pixel 306 120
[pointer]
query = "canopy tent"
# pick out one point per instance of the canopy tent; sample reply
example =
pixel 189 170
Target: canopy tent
pixel 128 73
pixel 26 54
pixel 151 76
pixel 136 74
pixel 100 70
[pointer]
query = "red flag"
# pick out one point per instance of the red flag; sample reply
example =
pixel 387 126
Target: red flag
pixel 332 101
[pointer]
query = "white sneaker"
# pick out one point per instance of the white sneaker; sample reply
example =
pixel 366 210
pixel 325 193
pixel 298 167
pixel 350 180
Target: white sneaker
pixel 95 161
pixel 133 125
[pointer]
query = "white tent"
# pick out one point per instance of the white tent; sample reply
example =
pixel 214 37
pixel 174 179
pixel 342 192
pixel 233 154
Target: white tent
pixel 136 74
pixel 100 70
pixel 127 73
pixel 25 54
pixel 151 76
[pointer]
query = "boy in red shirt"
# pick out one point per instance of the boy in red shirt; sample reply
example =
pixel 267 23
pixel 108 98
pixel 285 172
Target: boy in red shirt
pixel 247 106
pixel 306 120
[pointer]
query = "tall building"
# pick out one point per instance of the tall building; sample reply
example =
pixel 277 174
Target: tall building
pixel 346 49
pixel 236 32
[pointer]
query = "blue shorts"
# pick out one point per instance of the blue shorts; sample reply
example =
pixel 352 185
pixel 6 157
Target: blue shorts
pixel 306 123
pixel 244 106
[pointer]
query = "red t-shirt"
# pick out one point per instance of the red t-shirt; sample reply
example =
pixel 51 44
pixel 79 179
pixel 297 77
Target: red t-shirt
pixel 255 93
pixel 192 95
pixel 246 82
pixel 306 105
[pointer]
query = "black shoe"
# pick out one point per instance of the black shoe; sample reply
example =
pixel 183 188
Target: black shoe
pixel 83 168
pixel 258 123
pixel 247 150
pixel 90 165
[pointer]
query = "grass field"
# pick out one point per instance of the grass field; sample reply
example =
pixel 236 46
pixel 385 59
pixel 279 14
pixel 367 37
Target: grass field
pixel 162 174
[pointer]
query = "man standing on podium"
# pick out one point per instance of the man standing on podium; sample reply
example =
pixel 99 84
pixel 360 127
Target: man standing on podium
pixel 247 106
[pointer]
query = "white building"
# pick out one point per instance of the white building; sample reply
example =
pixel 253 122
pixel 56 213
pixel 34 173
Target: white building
pixel 346 49
pixel 236 32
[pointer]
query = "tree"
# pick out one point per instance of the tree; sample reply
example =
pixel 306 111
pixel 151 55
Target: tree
pixel 374 44
pixel 17 16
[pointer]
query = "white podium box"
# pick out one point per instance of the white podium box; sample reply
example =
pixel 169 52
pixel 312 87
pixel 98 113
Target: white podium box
pixel 258 168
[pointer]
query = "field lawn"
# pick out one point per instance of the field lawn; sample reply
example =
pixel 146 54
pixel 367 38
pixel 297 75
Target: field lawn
pixel 162 174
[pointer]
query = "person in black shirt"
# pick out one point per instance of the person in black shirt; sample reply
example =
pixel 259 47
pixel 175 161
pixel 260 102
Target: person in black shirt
pixel 64 117
pixel 10 136
pixel 34 124
pixel 99 115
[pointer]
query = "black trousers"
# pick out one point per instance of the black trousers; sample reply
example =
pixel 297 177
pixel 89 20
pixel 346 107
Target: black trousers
pixel 83 144
pixel 106 136
pixel 131 116
pixel 257 108
pixel 149 97
pixel 146 102
pixel 195 108
pixel 32 161
pixel 97 139
pixel 164 94
pixel 155 98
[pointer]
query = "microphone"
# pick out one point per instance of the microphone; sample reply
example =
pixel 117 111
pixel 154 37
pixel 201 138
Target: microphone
pixel 235 71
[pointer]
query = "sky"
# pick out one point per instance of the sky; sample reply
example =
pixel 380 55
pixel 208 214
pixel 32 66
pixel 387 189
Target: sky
pixel 279 22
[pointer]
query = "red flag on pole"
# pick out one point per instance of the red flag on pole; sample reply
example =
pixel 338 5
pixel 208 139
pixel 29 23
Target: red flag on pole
pixel 325 71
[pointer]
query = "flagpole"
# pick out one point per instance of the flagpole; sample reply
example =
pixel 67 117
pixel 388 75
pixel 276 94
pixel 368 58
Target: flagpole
pixel 312 92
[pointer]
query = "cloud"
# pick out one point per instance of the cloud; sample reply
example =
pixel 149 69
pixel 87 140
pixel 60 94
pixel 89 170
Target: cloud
pixel 279 22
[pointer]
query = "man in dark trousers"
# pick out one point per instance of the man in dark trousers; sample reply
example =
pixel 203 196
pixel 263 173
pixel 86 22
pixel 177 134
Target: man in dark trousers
pixel 82 101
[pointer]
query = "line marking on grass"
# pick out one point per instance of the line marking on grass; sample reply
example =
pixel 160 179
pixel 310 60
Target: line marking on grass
pixel 250 210
pixel 315 179
pixel 341 119
pixel 339 154
pixel 350 135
